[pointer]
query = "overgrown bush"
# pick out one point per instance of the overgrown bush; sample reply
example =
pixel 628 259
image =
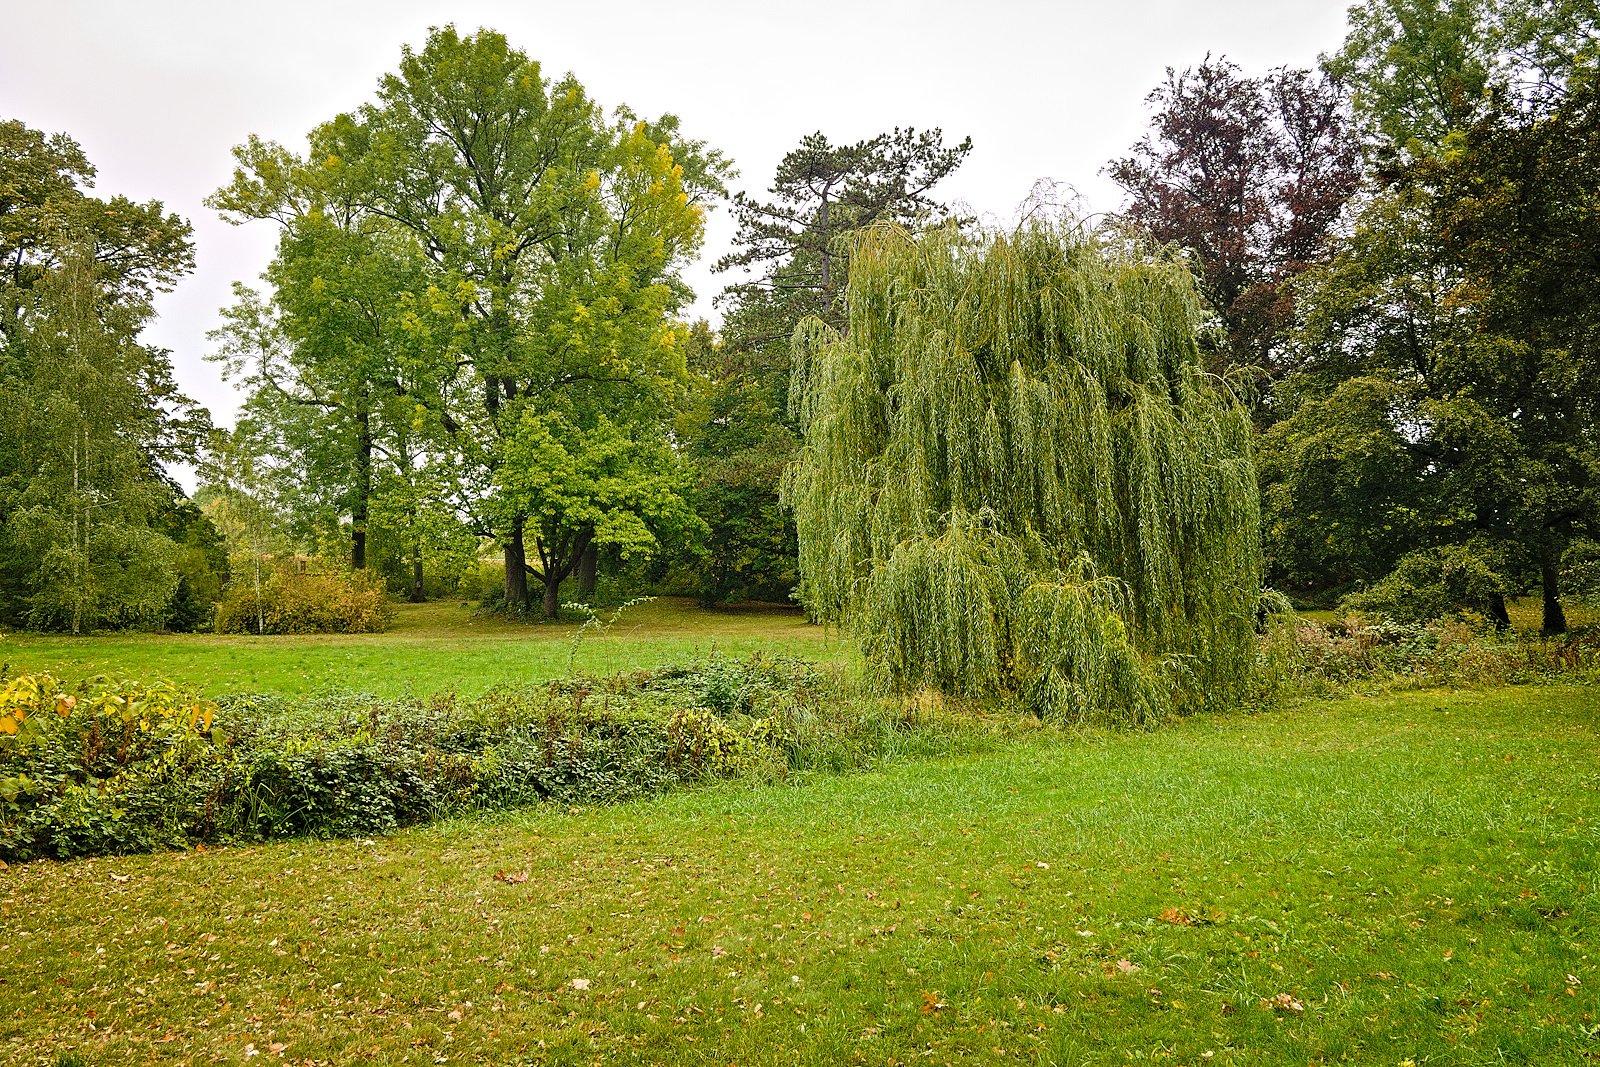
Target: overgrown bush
pixel 1580 572
pixel 1461 650
pixel 484 581
pixel 318 599
pixel 1434 583
pixel 113 767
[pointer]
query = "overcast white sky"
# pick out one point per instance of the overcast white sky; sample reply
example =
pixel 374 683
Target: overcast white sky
pixel 158 91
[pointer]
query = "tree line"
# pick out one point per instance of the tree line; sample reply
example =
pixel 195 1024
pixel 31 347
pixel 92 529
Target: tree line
pixel 470 339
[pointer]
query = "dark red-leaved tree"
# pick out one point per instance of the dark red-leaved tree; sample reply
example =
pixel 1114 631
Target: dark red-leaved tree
pixel 1249 175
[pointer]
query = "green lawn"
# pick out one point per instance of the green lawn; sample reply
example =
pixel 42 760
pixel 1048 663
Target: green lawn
pixel 432 647
pixel 1410 878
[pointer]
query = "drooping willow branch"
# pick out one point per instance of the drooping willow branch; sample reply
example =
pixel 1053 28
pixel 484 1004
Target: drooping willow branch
pixel 1017 480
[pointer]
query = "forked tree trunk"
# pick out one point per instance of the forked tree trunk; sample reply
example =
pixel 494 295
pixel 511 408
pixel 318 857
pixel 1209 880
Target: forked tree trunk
pixel 558 561
pixel 552 595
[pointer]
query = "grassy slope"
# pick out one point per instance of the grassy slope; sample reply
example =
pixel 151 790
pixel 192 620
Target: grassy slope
pixel 1418 871
pixel 432 647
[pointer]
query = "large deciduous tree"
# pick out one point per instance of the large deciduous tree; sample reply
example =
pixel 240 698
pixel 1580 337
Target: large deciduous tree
pixel 1016 478
pixel 87 515
pixel 1423 70
pixel 1249 175
pixel 553 231
pixel 1463 315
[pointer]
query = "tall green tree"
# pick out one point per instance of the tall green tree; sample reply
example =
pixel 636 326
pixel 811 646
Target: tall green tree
pixel 80 514
pixel 1451 362
pixel 85 505
pixel 554 231
pixel 335 362
pixel 347 339
pixel 47 214
pixel 1016 478
pixel 1423 70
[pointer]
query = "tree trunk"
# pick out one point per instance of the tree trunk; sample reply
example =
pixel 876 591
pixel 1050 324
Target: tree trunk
pixel 827 250
pixel 516 557
pixel 588 563
pixel 558 560
pixel 363 491
pixel 417 595
pixel 1555 619
pixel 552 594
pixel 1497 612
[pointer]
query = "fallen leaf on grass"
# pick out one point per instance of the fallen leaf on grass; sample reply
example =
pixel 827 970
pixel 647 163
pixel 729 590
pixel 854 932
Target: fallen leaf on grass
pixel 580 984
pixel 1283 1002
pixel 1176 916
pixel 1127 966
pixel 511 877
pixel 120 877
pixel 931 1003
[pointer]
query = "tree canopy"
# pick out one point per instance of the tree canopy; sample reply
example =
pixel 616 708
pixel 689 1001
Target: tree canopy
pixel 90 522
pixel 551 233
pixel 1445 417
pixel 1017 478
pixel 1249 175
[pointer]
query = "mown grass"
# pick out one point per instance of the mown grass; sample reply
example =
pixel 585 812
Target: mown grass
pixel 1417 872
pixel 436 647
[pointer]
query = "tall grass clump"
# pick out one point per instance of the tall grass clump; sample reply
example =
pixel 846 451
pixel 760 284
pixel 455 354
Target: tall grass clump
pixel 1017 480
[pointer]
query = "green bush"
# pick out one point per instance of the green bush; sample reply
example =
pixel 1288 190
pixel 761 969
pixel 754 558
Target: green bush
pixel 317 600
pixel 1434 583
pixel 122 768
pixel 1580 572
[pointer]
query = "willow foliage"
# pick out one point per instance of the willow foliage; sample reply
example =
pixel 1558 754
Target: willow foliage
pixel 1017 480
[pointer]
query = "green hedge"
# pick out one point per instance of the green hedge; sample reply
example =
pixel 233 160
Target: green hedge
pixel 116 767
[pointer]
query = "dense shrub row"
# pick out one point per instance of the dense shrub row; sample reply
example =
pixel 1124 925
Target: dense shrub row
pixel 1324 658
pixel 110 768
pixel 316 600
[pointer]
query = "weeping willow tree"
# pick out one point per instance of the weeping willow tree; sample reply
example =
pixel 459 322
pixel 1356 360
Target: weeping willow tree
pixel 1017 480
